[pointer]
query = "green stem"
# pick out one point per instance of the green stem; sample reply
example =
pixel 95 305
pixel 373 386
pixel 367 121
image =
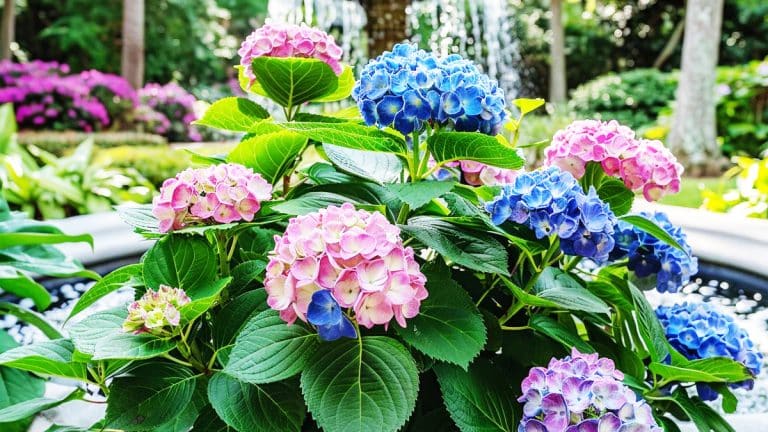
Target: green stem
pixel 525 327
pixel 221 247
pixel 512 311
pixel 415 175
pixel 402 216
pixel 175 360
pixel 572 263
pixel 490 288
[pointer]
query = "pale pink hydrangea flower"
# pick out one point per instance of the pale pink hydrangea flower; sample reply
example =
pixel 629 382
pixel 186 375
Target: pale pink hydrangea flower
pixel 221 193
pixel 289 40
pixel 156 312
pixel 479 174
pixel 644 165
pixel 357 255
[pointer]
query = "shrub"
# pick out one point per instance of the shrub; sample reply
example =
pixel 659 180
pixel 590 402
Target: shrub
pixel 749 197
pixel 742 109
pixel 156 163
pixel 174 112
pixel 59 143
pixel 634 98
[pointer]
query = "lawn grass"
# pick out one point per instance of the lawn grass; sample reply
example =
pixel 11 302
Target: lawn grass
pixel 690 191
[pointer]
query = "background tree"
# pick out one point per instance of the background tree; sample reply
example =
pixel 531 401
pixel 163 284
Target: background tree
pixel 557 81
pixel 132 60
pixel 693 135
pixel 7 29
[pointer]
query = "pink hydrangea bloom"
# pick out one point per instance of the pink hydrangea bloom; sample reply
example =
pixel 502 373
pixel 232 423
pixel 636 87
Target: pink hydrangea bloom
pixel 156 312
pixel 357 255
pixel 289 40
pixel 644 165
pixel 478 174
pixel 221 193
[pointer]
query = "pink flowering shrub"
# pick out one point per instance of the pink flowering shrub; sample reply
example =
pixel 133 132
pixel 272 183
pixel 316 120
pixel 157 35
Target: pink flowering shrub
pixel 176 105
pixel 221 193
pixel 356 255
pixel 582 392
pixel 643 165
pixel 289 40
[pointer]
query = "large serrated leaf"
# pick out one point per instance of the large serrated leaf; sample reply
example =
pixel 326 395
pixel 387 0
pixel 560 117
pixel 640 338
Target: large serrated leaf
pixel 268 350
pixel 128 276
pixel 448 327
pixel 180 261
pixel 479 400
pixel 380 167
pixel 420 193
pixel 715 369
pixel 269 154
pixel 453 146
pixel 235 114
pixel 362 385
pixel 30 407
pixel 276 407
pixel 350 135
pixel 548 326
pixel 292 81
pixel 50 358
pixel 150 395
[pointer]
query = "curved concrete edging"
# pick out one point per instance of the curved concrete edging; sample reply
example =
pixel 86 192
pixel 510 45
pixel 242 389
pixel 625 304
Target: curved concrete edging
pixel 112 238
pixel 721 238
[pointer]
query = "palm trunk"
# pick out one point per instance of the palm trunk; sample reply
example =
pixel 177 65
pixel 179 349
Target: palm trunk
pixel 693 137
pixel 132 61
pixel 557 80
pixel 7 31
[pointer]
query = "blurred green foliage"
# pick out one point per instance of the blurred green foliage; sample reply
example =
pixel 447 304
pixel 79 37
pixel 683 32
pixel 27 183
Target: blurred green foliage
pixel 634 98
pixel 59 143
pixel 750 195
pixel 156 163
pixel 742 109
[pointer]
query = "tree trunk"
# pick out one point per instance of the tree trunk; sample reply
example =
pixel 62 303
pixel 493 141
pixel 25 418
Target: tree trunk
pixel 7 29
pixel 132 61
pixel 387 24
pixel 557 81
pixel 693 137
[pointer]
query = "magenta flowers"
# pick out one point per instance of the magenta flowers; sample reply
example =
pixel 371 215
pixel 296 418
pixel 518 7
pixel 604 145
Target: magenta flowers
pixel 289 40
pixel 582 393
pixel 221 193
pixel 356 255
pixel 643 165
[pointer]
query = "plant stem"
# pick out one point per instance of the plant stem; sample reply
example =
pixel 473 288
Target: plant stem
pixel 221 247
pixel 175 360
pixel 415 175
pixel 572 263
pixel 525 327
pixel 490 288
pixel 402 216
pixel 512 311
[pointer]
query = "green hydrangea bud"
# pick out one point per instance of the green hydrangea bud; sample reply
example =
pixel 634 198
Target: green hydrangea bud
pixel 156 312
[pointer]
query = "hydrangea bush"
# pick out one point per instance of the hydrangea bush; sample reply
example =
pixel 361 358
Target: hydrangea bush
pixel 368 291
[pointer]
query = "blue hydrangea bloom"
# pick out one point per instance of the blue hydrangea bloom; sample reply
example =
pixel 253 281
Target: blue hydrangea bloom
pixel 699 331
pixel 650 256
pixel 406 87
pixel 324 312
pixel 551 202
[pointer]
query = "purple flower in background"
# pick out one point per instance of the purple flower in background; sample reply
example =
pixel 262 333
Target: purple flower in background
pixel 699 331
pixel 581 393
pixel 176 105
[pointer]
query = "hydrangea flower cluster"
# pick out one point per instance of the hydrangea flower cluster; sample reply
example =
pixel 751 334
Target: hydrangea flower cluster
pixel 643 165
pixel 289 40
pixel 551 202
pixel 11 71
pixel 177 105
pixel 221 193
pixel 699 331
pixel 582 393
pixel 354 259
pixel 156 312
pixel 406 87
pixel 650 256
pixel 114 86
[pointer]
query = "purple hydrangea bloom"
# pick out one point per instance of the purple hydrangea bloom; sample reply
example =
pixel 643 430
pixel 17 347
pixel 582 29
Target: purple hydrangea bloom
pixel 176 105
pixel 650 256
pixel 407 87
pixel 551 202
pixel 582 393
pixel 699 331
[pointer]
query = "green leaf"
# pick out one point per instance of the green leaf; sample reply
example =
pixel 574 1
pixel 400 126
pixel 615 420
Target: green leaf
pixel 651 228
pixel 245 273
pixel 368 384
pixel 527 105
pixel 101 336
pixel 32 318
pixel 276 407
pixel 128 276
pixel 228 322
pixel 209 421
pixel 344 90
pixel 203 298
pixel 453 146
pixel 479 400
pixel 292 81
pixel 270 155
pixel 186 419
pixel 474 250
pixel 376 166
pixel 181 262
pixel 235 114
pixel 310 202
pixel 30 407
pixel 563 291
pixel 448 327
pixel 151 394
pixel 36 238
pixel 547 326
pixel 349 135
pixel 681 399
pixel 419 194
pixel 269 350
pixel 716 422
pixel 616 194
pixel 49 358
pixel 20 285
pixel 140 217
pixel 714 369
